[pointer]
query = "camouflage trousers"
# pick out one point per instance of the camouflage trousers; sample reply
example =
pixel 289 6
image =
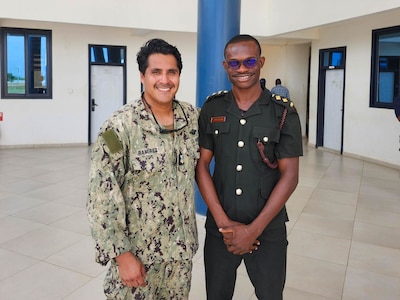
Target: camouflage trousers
pixel 165 281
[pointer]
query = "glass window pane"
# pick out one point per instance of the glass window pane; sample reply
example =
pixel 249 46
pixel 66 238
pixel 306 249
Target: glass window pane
pixel 326 59
pixel 388 67
pixel 107 55
pixel 337 58
pixel 97 54
pixel 15 64
pixel 27 64
pixel 37 63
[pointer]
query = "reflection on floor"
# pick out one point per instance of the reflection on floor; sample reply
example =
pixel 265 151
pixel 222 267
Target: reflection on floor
pixel 344 230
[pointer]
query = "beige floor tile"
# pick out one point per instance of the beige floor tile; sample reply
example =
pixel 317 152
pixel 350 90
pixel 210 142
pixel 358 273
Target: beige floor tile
pixel 332 196
pixel 380 188
pixel 47 213
pixel 42 242
pixel 387 204
pixel 333 227
pixel 377 235
pixel 296 203
pixel 300 197
pixel 53 177
pixel 25 173
pixel 92 290
pixel 315 276
pixel 365 285
pixel 11 228
pixel 202 235
pixel 339 183
pixel 78 257
pixel 22 186
pixel 78 223
pixel 198 288
pixel 344 237
pixel 15 203
pixel 76 198
pixel 8 166
pixel 12 263
pixel 293 294
pixel 346 166
pixel 371 170
pixel 243 289
pixel 293 215
pixel 50 192
pixel 367 214
pixel 375 259
pixel 42 281
pixel 79 181
pixel 330 209
pixel 319 247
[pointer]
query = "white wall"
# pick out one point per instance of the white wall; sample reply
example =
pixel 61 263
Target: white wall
pixel 368 132
pixel 282 16
pixel 258 17
pixel 290 64
pixel 64 119
pixel 172 15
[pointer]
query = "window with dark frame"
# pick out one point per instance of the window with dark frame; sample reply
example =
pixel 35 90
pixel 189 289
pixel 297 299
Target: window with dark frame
pixel 26 64
pixel 110 55
pixel 385 67
pixel 332 58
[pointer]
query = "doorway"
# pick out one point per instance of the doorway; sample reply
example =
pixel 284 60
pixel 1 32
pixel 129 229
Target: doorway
pixel 107 84
pixel 331 87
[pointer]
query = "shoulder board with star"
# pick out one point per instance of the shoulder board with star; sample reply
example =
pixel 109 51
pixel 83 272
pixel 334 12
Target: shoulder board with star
pixel 285 102
pixel 216 95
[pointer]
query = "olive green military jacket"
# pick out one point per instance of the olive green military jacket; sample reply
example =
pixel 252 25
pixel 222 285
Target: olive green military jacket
pixel 242 179
pixel 141 186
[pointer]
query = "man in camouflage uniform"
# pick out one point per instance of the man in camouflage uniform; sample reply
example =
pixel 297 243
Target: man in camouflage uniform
pixel 141 193
pixel 255 139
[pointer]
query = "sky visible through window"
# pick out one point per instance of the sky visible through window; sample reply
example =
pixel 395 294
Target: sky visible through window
pixel 15 56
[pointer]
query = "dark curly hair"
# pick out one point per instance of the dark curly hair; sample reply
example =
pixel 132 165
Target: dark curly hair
pixel 156 46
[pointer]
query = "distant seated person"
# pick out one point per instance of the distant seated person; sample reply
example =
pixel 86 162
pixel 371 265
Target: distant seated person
pixel 396 104
pixel 280 90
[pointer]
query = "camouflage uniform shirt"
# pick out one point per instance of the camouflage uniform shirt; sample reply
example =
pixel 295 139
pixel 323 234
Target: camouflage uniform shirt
pixel 141 186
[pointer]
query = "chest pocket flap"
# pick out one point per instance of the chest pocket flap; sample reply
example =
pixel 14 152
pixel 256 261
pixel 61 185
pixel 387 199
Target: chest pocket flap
pixel 217 128
pixel 266 135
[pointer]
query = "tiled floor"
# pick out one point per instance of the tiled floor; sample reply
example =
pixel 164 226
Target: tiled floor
pixel 344 232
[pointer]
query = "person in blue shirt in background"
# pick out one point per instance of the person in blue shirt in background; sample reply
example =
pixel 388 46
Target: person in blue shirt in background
pixel 280 90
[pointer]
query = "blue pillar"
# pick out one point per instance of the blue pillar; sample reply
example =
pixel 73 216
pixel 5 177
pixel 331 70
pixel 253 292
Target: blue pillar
pixel 218 21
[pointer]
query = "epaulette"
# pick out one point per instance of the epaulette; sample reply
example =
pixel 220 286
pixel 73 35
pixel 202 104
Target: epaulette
pixel 215 95
pixel 285 102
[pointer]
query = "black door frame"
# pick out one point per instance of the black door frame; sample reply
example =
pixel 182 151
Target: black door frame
pixel 325 64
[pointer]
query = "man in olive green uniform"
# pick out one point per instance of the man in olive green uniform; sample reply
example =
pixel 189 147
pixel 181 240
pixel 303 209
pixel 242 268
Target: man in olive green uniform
pixel 255 138
pixel 141 194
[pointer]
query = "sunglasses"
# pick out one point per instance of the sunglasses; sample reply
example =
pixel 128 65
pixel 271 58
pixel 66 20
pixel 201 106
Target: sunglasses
pixel 235 64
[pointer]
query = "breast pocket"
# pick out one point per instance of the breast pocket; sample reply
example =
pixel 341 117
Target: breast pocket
pixel 219 131
pixel 268 137
pixel 144 164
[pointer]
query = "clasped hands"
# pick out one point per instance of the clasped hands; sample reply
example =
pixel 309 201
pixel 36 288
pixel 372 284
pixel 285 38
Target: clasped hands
pixel 239 239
